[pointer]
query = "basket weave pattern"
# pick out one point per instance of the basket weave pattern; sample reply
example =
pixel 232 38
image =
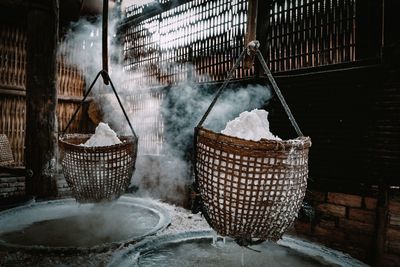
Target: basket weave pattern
pixel 251 189
pixel 97 174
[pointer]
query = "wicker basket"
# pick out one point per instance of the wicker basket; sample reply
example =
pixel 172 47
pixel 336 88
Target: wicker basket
pixel 6 156
pixel 97 174
pixel 251 190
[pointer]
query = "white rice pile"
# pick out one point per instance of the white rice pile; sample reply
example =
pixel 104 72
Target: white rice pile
pixel 103 136
pixel 251 125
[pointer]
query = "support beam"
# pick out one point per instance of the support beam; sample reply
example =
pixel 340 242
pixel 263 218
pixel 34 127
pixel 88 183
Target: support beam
pixel 41 98
pixel 369 29
pixel 257 29
pixel 380 225
pixel 251 30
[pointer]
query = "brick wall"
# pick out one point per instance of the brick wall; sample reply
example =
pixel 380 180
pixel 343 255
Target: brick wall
pixel 347 222
pixel 11 186
pixel 14 186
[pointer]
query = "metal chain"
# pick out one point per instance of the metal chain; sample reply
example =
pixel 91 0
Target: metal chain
pixel 251 49
pixel 103 73
pixel 278 93
pixel 81 104
pixel 223 86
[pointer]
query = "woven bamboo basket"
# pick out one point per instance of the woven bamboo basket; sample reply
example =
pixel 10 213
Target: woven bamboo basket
pixel 250 189
pixel 97 174
pixel 6 156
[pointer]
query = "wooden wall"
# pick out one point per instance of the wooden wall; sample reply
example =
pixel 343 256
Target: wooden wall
pixel 12 88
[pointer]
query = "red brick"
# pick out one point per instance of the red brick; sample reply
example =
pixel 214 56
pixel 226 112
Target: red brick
pixel 327 223
pixel 19 193
pixel 390 260
pixel 392 234
pixel 345 199
pixel 318 196
pixel 302 227
pixel 394 219
pixel 7 190
pixel 355 226
pixel 394 247
pixel 361 240
pixel 362 215
pixel 370 203
pixel 15 185
pixel 394 206
pixel 335 210
pixel 329 235
pixel 8 179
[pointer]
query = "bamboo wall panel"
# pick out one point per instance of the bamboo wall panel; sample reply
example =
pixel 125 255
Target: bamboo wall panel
pixel 13 63
pixel 197 40
pixel 12 76
pixel 188 41
pixel 65 110
pixel 310 33
pixel 12 56
pixel 147 120
pixel 70 78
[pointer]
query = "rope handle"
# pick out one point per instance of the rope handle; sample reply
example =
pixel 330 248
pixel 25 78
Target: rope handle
pixel 103 73
pixel 251 50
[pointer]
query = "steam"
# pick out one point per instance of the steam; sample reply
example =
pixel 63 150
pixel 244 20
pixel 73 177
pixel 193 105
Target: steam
pixel 168 176
pixel 164 119
pixel 82 47
pixel 186 103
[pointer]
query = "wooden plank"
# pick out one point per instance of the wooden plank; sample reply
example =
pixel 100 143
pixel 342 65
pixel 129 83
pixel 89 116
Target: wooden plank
pixel 11 91
pixel 263 33
pixel 369 27
pixel 381 223
pixel 41 100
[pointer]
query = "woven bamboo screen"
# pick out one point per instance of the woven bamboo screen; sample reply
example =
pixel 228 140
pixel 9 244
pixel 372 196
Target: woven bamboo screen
pixel 197 40
pixel 180 41
pixel 147 120
pixel 12 56
pixel 12 88
pixel 70 79
pixel 310 33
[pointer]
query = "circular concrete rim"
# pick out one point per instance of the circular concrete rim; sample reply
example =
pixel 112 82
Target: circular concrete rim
pixel 132 253
pixel 144 203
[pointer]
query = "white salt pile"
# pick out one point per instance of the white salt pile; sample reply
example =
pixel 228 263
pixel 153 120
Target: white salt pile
pixel 103 136
pixel 251 125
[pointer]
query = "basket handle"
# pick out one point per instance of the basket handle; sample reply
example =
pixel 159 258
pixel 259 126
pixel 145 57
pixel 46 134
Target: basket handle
pixel 252 49
pixel 105 75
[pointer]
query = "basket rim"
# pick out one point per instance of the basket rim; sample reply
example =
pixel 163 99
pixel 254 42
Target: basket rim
pixel 63 140
pixel 298 142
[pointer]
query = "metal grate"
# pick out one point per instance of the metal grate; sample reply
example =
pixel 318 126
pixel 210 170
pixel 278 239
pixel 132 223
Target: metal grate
pixel 197 40
pixel 310 33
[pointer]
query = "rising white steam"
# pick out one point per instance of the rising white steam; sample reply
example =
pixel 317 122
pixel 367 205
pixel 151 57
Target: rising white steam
pixel 164 120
